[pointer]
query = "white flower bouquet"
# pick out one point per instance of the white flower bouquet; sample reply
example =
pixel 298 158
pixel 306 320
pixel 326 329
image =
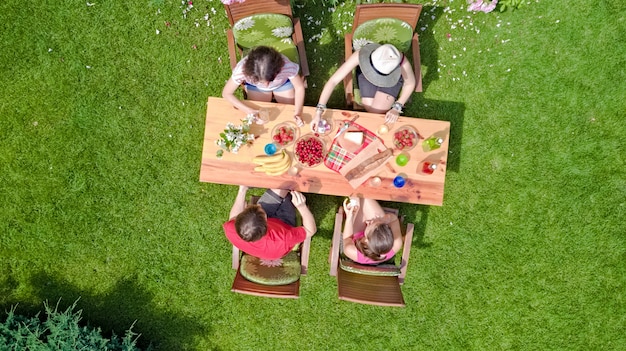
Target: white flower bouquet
pixel 235 136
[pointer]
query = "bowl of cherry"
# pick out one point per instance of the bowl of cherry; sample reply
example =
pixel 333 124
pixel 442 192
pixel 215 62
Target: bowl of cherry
pixel 309 150
pixel 405 138
pixel 285 133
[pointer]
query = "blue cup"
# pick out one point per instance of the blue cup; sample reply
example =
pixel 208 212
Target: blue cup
pixel 399 181
pixel 270 149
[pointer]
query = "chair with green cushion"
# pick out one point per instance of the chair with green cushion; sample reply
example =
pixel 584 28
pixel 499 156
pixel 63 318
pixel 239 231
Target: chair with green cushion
pixel 257 277
pixel 369 284
pixel 268 29
pixel 384 23
pixel 384 30
pixel 265 22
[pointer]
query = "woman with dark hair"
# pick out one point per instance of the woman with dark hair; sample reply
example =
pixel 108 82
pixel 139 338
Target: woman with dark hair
pixel 266 75
pixel 370 236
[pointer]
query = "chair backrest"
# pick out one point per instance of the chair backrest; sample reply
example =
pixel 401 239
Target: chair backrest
pixel 294 50
pixel 398 269
pixel 271 29
pixel 385 30
pixel 409 13
pixel 237 11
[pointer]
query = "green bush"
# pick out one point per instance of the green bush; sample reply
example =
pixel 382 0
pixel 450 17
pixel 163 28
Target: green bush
pixel 59 331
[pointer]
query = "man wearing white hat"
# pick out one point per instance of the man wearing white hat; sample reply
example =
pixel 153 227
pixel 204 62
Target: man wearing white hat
pixel 382 73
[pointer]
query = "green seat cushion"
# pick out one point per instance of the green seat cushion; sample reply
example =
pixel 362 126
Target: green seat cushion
pixel 383 31
pixel 254 270
pixel 268 29
pixel 383 269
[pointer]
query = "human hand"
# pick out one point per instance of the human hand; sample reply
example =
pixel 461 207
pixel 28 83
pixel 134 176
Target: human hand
pixel 243 188
pixel 298 199
pixel 351 208
pixel 316 120
pixel 261 116
pixel 254 115
pixel 298 119
pixel 391 116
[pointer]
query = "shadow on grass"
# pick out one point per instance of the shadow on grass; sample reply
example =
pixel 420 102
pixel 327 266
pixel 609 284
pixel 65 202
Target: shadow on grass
pixel 416 214
pixel 451 111
pixel 429 48
pixel 115 310
pixel 436 109
pixel 322 55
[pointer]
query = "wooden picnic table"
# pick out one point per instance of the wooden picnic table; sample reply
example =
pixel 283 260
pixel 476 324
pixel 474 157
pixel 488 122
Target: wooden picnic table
pixel 238 169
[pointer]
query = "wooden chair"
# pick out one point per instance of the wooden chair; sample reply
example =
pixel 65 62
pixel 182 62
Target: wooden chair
pixel 373 285
pixel 245 286
pixel 369 26
pixel 242 11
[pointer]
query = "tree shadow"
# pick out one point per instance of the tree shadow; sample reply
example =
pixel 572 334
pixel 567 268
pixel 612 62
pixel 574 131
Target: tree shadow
pixel 451 111
pixel 323 57
pixel 429 48
pixel 114 311
pixel 416 214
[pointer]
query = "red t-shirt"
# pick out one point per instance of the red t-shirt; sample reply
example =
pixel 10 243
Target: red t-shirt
pixel 278 241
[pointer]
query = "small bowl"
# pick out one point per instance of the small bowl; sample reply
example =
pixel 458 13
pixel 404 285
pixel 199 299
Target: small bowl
pixel 399 181
pixel 405 138
pixel 309 150
pixel 325 126
pixel 270 149
pixel 291 129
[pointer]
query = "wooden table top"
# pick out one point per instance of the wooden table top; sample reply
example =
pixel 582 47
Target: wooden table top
pixel 238 169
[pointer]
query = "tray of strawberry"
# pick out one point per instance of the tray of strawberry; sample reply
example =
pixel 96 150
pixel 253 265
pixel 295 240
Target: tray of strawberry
pixel 285 133
pixel 405 138
pixel 309 150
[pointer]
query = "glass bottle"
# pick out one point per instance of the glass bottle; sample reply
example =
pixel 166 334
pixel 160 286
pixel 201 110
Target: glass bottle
pixel 429 167
pixel 432 143
pixel 402 159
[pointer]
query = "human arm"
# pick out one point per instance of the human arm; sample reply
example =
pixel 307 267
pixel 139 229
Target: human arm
pixel 298 86
pixel 337 77
pixel 308 222
pixel 394 223
pixel 408 86
pixel 349 249
pixel 240 202
pixel 228 93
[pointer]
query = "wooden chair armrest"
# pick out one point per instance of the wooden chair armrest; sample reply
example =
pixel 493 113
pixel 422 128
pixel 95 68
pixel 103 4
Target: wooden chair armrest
pixel 304 256
pixel 236 255
pixel 348 86
pixel 417 64
pixel 406 252
pixel 299 41
pixel 393 211
pixel 232 48
pixel 334 248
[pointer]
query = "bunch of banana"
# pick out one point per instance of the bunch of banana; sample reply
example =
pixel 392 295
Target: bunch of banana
pixel 274 165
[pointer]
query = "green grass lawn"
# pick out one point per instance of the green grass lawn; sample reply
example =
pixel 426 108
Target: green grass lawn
pixel 102 112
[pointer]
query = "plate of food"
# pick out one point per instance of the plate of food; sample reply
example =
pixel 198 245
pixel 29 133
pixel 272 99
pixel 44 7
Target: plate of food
pixel 309 150
pixel 285 133
pixel 405 138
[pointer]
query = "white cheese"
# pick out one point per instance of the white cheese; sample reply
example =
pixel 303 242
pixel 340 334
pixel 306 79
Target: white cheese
pixel 355 137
